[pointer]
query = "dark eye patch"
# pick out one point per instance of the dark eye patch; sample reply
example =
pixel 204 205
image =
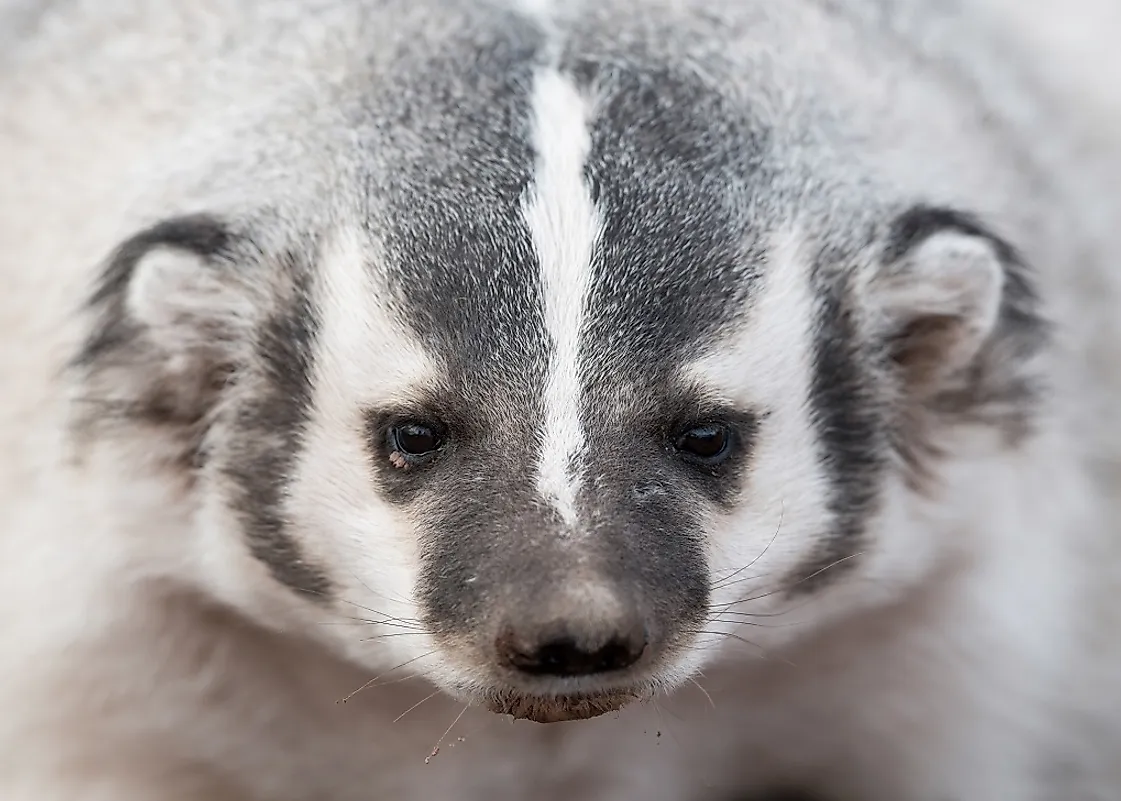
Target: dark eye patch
pixel 711 442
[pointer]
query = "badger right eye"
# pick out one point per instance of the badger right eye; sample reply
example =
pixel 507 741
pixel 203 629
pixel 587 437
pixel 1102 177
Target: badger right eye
pixel 706 444
pixel 415 439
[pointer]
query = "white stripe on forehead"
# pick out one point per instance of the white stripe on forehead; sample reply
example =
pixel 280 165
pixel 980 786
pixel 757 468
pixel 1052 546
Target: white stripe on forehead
pixel 565 226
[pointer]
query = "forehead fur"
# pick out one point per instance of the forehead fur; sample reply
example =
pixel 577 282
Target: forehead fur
pixel 671 181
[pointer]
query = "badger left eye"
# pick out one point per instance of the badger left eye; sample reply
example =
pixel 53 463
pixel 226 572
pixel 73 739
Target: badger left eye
pixel 415 439
pixel 708 444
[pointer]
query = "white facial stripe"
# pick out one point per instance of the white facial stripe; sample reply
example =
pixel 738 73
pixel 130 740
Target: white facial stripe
pixel 364 352
pixel 565 226
pixel 364 358
pixel 769 362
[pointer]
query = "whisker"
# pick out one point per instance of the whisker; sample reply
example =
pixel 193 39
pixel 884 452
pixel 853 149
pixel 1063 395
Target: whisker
pixel 723 582
pixel 391 620
pixel 383 596
pixel 743 613
pixel 363 621
pixel 829 566
pixel 659 709
pixel 389 634
pixel 762 651
pixel 411 677
pixel 386 673
pixel 787 588
pixel 436 748
pixel 690 767
pixel 719 618
pixel 703 690
pixel 726 584
pixel 414 706
pixel 725 610
pixel 480 725
pixel 383 615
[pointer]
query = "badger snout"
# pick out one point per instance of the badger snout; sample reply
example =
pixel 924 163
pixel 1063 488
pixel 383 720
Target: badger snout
pixel 551 622
pixel 573 631
pixel 575 648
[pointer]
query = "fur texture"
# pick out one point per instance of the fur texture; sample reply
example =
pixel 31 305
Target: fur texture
pixel 258 257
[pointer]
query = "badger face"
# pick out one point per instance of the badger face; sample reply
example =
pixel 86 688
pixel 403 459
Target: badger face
pixel 586 379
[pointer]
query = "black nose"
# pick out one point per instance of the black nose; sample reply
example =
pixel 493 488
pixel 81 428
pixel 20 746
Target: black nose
pixel 563 650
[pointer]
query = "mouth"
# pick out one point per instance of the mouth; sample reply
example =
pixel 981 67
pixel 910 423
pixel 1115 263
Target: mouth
pixel 562 708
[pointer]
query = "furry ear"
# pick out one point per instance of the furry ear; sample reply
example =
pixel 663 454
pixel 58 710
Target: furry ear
pixel 961 325
pixel 939 304
pixel 171 317
pixel 186 303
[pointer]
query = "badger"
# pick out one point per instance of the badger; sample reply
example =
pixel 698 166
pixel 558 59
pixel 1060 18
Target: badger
pixel 684 400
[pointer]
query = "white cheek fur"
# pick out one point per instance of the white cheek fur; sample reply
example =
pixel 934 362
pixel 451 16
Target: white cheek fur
pixel 365 360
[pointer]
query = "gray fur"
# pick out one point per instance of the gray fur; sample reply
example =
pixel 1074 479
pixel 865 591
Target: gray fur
pixel 252 138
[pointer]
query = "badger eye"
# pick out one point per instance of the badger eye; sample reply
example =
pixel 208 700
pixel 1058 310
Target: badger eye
pixel 707 444
pixel 415 439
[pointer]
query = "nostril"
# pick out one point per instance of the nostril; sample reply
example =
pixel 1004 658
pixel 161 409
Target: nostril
pixel 564 656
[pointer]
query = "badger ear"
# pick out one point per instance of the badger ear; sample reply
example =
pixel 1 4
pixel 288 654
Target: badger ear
pixel 960 323
pixel 939 303
pixel 171 315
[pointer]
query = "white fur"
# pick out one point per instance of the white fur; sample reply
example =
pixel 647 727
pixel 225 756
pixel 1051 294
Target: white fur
pixel 565 226
pixel 764 540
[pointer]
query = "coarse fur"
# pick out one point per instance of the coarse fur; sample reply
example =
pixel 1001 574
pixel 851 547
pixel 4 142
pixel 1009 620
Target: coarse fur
pixel 245 245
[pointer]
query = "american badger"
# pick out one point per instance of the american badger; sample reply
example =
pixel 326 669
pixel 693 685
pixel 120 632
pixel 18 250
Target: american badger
pixel 732 386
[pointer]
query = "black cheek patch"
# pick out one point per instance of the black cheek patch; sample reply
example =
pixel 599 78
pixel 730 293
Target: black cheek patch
pixel 852 433
pixel 861 432
pixel 268 438
pixel 127 388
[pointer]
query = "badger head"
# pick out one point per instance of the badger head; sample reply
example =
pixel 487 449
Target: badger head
pixel 593 366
